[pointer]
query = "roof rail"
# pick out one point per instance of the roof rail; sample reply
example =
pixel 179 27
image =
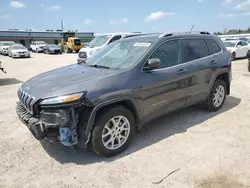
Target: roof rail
pixel 184 33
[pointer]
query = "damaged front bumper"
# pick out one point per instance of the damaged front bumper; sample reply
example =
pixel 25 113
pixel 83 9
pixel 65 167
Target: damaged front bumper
pixel 56 125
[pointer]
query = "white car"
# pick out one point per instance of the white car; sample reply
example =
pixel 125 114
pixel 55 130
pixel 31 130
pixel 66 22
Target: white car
pixel 37 46
pixel 99 42
pixel 18 51
pixel 237 48
pixel 4 47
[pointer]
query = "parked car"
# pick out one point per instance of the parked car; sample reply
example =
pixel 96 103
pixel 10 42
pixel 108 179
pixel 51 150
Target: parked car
pixel 98 43
pixel 37 46
pixel 237 48
pixel 103 102
pixel 18 51
pixel 1 67
pixel 4 47
pixel 52 49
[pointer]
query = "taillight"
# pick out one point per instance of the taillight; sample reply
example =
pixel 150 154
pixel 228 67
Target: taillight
pixel 230 52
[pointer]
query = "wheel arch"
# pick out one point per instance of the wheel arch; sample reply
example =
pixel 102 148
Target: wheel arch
pixel 225 75
pixel 126 102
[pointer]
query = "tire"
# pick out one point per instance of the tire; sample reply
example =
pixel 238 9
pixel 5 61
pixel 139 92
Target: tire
pixel 97 141
pixel 247 54
pixel 233 56
pixel 77 51
pixel 210 104
pixel 248 65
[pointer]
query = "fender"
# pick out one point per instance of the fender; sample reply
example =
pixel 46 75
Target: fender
pixel 108 102
pixel 218 73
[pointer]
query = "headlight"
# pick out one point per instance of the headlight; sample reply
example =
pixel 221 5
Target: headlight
pixel 62 99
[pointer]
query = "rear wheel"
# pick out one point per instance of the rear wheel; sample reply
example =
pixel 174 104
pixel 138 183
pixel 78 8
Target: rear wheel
pixel 216 97
pixel 113 132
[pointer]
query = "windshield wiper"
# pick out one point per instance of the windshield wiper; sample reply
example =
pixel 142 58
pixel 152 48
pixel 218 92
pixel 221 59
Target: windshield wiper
pixel 99 66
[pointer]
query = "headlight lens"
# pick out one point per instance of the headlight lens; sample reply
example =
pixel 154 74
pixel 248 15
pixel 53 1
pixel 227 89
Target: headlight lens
pixel 62 99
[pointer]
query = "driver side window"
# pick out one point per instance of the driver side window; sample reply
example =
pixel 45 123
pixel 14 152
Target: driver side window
pixel 168 53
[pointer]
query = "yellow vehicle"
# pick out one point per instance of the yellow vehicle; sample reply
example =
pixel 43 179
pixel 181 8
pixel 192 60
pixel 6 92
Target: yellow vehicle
pixel 70 42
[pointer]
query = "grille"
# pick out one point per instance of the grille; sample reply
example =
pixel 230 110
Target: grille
pixel 26 100
pixel 83 55
pixel 21 52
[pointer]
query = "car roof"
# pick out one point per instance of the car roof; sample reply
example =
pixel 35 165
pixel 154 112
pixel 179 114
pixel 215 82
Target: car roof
pixel 233 41
pixel 16 45
pixel 162 36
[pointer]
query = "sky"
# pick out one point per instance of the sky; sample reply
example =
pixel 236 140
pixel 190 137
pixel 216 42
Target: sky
pixel 125 15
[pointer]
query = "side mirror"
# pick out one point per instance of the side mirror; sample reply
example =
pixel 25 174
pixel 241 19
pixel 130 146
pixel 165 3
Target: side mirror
pixel 152 64
pixel 238 46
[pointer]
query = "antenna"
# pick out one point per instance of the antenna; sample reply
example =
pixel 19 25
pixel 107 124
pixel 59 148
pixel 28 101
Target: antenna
pixel 62 24
pixel 192 27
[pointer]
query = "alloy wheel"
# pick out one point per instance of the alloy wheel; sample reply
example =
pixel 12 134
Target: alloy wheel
pixel 116 132
pixel 219 96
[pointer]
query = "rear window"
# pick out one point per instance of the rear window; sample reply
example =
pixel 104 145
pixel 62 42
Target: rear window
pixel 213 47
pixel 193 49
pixel 77 42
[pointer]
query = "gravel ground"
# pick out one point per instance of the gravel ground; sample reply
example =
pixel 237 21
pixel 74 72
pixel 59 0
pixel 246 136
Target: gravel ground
pixel 211 149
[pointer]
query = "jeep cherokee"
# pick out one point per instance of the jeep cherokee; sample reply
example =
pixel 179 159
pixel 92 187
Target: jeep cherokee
pixel 103 102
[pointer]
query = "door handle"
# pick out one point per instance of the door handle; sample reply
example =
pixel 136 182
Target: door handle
pixel 213 62
pixel 181 71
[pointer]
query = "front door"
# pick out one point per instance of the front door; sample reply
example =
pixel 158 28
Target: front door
pixel 163 89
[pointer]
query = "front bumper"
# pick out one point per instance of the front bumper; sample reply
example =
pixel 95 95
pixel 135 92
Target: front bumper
pixel 5 52
pixel 21 55
pixel 34 125
pixel 81 60
pixel 54 51
pixel 39 50
pixel 66 135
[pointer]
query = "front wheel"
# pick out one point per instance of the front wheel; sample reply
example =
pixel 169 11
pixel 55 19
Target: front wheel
pixel 233 56
pixel 248 65
pixel 113 132
pixel 216 97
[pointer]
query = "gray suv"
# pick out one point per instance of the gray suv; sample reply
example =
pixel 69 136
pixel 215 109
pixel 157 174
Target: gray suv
pixel 103 102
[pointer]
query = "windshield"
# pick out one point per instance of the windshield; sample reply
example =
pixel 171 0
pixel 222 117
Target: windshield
pixel 38 43
pixel 119 55
pixel 18 47
pixel 77 42
pixel 52 46
pixel 99 41
pixel 8 43
pixel 229 44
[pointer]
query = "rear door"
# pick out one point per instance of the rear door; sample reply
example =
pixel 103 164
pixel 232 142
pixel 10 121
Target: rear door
pixel 201 63
pixel 240 50
pixel 245 48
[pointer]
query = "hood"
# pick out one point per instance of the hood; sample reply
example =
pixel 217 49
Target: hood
pixel 66 80
pixel 54 48
pixel 230 48
pixel 19 50
pixel 41 45
pixel 88 49
pixel 5 47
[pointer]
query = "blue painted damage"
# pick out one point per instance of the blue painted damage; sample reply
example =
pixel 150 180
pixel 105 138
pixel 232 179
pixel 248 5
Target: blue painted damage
pixel 68 136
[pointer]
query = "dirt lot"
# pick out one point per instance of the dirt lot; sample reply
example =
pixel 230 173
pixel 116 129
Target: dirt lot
pixel 211 149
